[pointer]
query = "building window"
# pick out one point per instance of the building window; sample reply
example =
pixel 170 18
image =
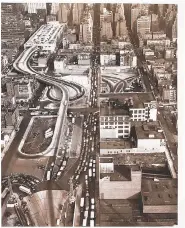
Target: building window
pixel 120 123
pixel 126 131
pixel 120 131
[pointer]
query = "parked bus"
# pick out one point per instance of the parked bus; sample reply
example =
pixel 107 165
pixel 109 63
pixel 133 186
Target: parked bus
pixel 82 202
pixel 90 172
pixel 92 215
pixel 24 189
pixel 48 135
pixel 47 131
pixel 48 175
pixel 84 222
pixel 91 223
pixel 73 120
pixel 92 201
pixel 4 193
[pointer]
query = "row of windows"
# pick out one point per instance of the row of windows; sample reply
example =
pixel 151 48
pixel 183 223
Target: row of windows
pixel 125 131
pixel 116 152
pixel 137 111
pixel 112 118
pixel 115 123
pixel 137 116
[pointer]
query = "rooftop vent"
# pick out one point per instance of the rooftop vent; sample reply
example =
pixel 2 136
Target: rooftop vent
pixel 151 136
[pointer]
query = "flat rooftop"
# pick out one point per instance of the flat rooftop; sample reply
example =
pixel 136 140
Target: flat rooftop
pixel 137 100
pixel 106 160
pixel 145 130
pixel 115 144
pixel 46 34
pixel 143 159
pixel 121 173
pixel 161 192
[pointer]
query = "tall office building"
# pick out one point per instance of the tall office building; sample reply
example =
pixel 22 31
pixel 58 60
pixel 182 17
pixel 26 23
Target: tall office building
pixel 121 28
pixel 106 30
pixel 63 12
pixel 134 15
pixel 86 29
pixel 174 30
pixel 119 14
pixel 143 24
pixel 33 7
pixel 54 8
pixel 77 12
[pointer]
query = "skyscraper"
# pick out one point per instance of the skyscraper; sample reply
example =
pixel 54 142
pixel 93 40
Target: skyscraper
pixel 63 12
pixel 106 30
pixel 77 12
pixel 86 29
pixel 134 15
pixel 54 8
pixel 143 24
pixel 121 29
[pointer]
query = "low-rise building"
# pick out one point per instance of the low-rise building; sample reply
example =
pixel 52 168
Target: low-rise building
pixel 159 196
pixel 125 180
pixel 108 59
pixel 22 89
pixel 148 136
pixel 128 58
pixel 143 24
pixel 84 59
pixel 114 123
pixel 169 94
pixel 9 117
pixel 59 63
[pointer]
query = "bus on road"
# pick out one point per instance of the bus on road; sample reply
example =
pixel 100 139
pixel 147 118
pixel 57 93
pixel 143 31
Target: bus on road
pixel 24 189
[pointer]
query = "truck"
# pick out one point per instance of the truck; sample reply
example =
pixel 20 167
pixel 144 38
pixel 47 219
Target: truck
pixel 59 173
pixel 73 120
pixel 84 223
pixel 64 163
pixel 82 202
pixel 61 168
pixel 94 128
pixel 24 189
pixel 90 172
pixel 76 178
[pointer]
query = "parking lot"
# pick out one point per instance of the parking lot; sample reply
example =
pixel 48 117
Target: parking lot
pixel 36 141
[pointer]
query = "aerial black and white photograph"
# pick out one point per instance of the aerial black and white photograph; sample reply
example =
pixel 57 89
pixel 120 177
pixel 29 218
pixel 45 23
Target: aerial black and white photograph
pixel 89 115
